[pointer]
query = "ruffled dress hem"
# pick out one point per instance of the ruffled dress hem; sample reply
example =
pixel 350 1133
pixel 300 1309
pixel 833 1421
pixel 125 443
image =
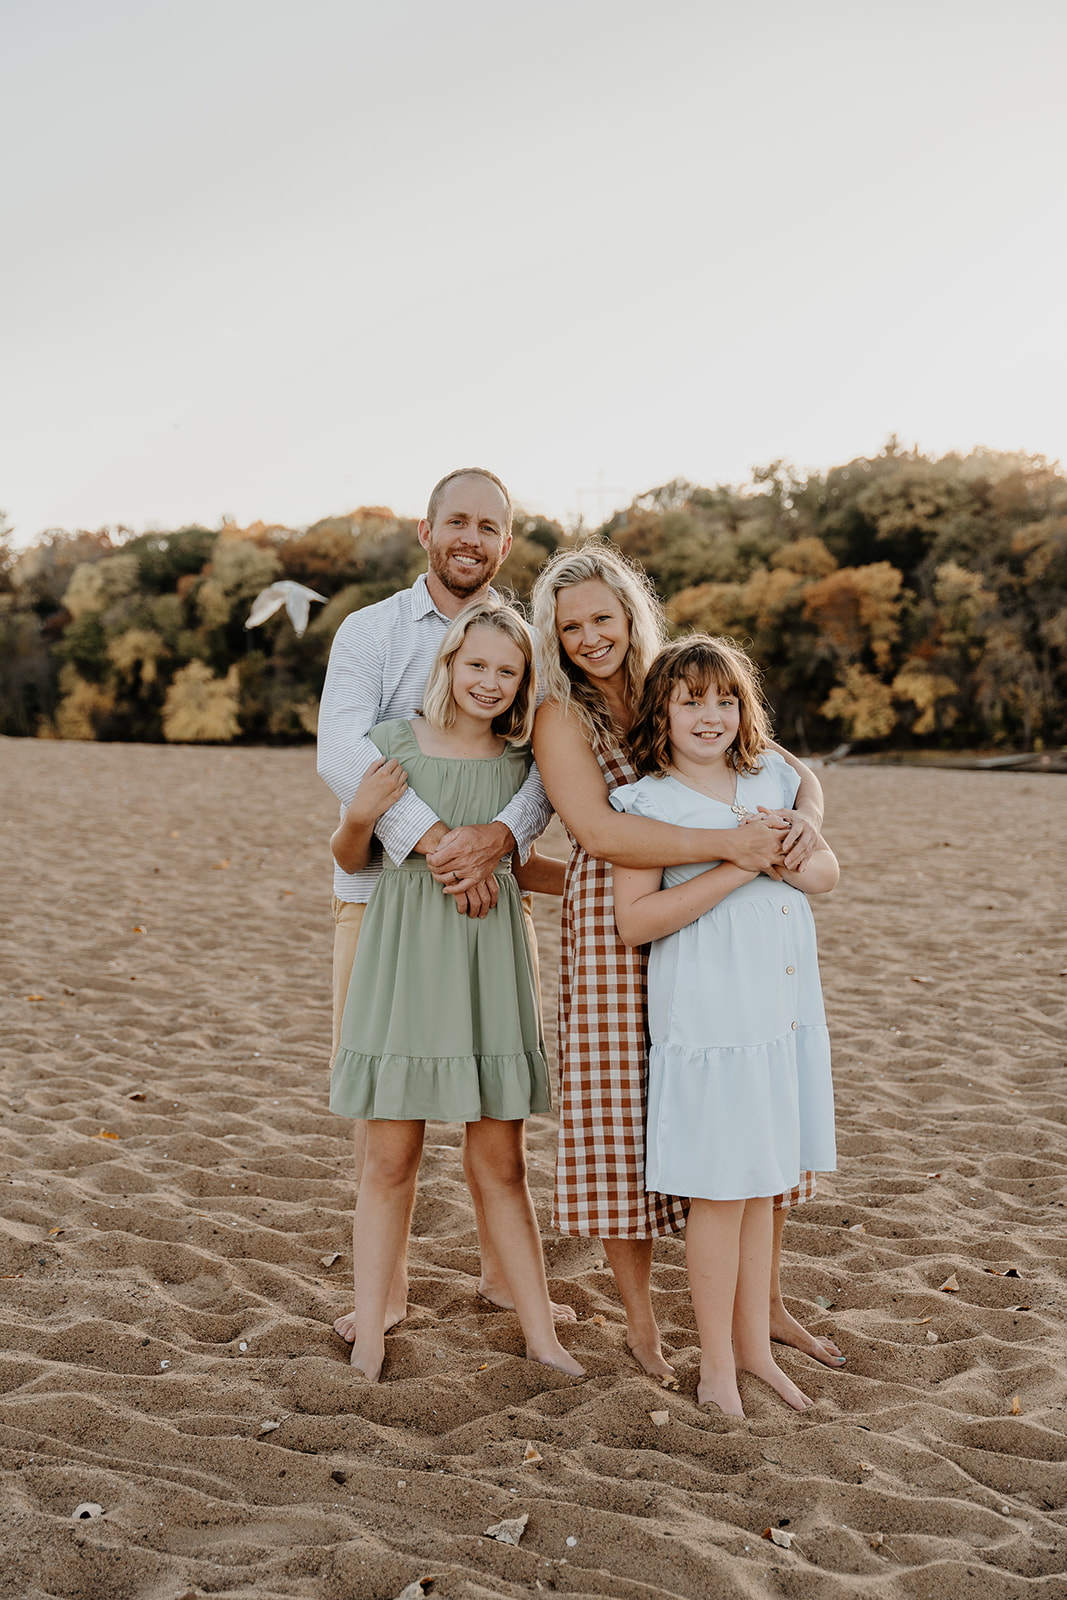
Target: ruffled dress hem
pixel 391 1088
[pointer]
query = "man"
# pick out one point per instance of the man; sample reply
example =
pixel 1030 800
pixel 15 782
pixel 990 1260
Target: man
pixel 379 663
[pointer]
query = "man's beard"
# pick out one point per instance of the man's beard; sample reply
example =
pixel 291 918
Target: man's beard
pixel 458 581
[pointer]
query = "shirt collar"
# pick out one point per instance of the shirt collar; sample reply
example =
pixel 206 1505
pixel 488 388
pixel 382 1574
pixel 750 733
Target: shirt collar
pixel 422 600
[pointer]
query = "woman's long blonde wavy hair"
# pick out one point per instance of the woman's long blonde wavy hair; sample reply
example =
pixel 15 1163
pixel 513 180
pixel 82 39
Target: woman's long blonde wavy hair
pixel 596 561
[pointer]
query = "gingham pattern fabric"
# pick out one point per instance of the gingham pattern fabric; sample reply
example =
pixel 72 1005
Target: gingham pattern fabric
pixel 805 1190
pixel 603 1061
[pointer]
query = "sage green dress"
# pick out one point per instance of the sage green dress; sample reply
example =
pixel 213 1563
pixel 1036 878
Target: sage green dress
pixel 442 1019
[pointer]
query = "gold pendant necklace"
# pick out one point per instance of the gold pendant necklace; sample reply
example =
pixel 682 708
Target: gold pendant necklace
pixel 737 806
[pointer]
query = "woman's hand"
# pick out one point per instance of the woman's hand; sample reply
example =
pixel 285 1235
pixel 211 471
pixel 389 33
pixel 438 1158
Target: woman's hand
pixel 800 836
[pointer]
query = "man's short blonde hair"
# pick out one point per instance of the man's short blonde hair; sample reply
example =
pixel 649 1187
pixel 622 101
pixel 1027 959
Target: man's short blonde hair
pixel 438 490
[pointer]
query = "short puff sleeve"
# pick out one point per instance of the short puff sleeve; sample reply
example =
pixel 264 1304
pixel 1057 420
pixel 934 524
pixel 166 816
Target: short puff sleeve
pixel 638 800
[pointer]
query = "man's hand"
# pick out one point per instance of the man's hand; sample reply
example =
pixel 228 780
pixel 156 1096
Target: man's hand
pixel 758 845
pixel 800 839
pixel 464 861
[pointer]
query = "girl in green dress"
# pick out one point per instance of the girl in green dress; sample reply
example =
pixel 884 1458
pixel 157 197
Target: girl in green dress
pixel 442 1020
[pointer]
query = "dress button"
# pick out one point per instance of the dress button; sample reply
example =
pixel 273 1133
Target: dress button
pixel 790 969
pixel 793 1026
pixel 785 911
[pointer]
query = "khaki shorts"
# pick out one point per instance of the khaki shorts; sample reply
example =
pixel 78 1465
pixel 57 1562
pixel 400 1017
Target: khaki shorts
pixel 347 921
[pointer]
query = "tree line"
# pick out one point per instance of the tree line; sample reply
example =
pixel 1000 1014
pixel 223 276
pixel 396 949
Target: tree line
pixel 896 601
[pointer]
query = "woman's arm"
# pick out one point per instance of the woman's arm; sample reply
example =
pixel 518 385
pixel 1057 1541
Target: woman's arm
pixel 380 787
pixel 575 785
pixel 645 911
pixel 540 874
pixel 806 815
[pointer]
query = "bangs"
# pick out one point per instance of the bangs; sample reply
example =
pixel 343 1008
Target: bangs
pixel 700 676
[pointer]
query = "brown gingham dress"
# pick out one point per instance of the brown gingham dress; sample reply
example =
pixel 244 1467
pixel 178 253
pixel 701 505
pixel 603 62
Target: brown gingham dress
pixel 603 1062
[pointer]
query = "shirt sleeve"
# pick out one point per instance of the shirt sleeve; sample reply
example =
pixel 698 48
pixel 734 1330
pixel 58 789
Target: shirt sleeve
pixel 527 813
pixel 350 707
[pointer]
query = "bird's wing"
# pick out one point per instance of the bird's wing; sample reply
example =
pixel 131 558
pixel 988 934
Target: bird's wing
pixel 265 604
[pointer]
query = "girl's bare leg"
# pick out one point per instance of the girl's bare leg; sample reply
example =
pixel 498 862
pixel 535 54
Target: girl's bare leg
pixel 493 1283
pixel 383 1208
pixel 712 1250
pixel 751 1325
pixel 785 1329
pixel 631 1262
pixel 497 1159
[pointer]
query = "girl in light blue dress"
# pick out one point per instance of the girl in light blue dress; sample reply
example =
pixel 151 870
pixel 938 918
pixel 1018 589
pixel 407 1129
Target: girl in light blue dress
pixel 740 1099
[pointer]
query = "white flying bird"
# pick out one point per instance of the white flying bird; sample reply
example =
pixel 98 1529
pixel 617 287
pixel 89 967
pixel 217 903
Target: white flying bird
pixel 295 597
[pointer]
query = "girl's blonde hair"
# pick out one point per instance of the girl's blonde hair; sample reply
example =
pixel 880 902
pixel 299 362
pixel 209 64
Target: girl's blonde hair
pixel 438 707
pixel 596 561
pixel 699 661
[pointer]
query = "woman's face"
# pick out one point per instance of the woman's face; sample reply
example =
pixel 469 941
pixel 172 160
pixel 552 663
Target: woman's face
pixel 593 628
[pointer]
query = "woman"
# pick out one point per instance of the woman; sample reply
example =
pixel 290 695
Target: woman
pixel 599 627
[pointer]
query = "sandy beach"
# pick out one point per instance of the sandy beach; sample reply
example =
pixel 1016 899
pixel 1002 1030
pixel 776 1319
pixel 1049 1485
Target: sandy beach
pixel 176 1236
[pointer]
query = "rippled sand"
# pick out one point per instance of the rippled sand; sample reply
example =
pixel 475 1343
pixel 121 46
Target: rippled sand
pixel 173 1181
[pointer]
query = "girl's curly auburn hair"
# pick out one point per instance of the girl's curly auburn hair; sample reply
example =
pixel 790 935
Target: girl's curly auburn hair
pixel 699 661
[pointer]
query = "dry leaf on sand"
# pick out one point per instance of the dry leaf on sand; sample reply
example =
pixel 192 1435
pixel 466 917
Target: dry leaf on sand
pixel 779 1537
pixel 416 1590
pixel 857 1227
pixel 328 1261
pixel 1009 1272
pixel 137 1094
pixel 103 1134
pixel 511 1530
pixel 951 1285
pixel 660 1418
pixel 531 1454
pixel 268 1427
pixel 1015 1405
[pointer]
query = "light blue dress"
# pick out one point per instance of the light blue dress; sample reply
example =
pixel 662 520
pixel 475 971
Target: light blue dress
pixel 740 1097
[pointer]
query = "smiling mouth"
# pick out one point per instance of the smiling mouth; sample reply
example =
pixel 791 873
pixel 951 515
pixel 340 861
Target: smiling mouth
pixel 598 654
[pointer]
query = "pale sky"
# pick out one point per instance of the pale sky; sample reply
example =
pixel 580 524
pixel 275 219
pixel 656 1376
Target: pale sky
pixel 280 258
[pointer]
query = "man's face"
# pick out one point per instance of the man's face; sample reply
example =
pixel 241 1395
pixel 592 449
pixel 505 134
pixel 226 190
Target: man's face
pixel 467 543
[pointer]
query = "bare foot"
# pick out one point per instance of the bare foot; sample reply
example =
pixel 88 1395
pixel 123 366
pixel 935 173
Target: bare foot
pixel 648 1354
pixel 346 1325
pixel 501 1298
pixel 719 1388
pixel 369 1358
pixel 785 1329
pixel 559 1358
pixel 772 1373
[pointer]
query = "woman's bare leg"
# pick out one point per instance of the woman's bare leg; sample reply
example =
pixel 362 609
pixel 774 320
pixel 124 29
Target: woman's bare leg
pixel 712 1253
pixel 496 1157
pixel 751 1325
pixel 383 1209
pixel 631 1262
pixel 785 1329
